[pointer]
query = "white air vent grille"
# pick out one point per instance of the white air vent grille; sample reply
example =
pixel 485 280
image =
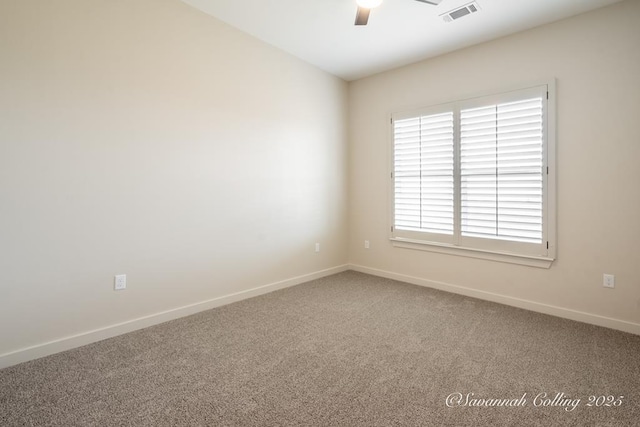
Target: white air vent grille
pixel 459 12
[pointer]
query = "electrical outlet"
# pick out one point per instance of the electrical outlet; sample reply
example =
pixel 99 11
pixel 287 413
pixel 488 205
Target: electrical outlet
pixel 120 282
pixel 609 281
pixel 366 244
pixel 317 247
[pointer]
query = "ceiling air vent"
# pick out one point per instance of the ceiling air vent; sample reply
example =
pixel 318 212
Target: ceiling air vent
pixel 458 13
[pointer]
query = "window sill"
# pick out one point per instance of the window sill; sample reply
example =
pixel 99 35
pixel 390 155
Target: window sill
pixel 528 260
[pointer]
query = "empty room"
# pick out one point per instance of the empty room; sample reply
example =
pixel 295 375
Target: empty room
pixel 319 213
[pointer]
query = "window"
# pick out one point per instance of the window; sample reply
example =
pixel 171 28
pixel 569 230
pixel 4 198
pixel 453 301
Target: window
pixel 474 177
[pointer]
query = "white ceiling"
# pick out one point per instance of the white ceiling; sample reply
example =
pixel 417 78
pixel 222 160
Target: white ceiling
pixel 400 32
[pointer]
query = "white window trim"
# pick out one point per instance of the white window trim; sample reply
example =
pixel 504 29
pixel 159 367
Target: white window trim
pixel 549 193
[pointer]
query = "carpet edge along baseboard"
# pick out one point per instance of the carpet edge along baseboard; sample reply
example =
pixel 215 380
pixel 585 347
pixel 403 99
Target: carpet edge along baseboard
pixel 87 337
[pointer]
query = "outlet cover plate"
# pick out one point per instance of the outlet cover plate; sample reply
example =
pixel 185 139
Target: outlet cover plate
pixel 120 282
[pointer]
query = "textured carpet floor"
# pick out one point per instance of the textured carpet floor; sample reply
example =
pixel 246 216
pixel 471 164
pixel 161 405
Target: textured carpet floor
pixel 346 350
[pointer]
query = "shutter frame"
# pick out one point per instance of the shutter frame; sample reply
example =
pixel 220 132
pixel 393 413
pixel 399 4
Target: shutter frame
pixel 532 223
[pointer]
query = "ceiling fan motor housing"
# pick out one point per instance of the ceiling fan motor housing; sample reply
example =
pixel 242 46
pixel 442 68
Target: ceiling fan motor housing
pixel 365 6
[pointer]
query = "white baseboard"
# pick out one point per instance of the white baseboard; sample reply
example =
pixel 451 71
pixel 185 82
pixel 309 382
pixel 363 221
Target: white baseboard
pixel 70 342
pixel 88 337
pixel 579 316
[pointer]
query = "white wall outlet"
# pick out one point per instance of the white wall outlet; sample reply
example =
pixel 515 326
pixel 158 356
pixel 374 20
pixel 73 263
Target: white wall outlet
pixel 366 244
pixel 608 280
pixel 317 247
pixel 120 282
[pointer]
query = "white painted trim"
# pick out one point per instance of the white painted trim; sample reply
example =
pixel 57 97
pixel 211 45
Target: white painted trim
pixel 531 261
pixel 566 313
pixel 88 337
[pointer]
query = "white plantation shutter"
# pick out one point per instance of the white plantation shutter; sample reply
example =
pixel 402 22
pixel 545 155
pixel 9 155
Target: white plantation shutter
pixel 423 171
pixel 501 149
pixel 474 175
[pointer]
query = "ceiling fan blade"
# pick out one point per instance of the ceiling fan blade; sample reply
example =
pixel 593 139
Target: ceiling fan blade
pixel 362 16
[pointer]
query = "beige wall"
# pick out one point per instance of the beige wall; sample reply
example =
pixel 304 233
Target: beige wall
pixel 149 139
pixel 596 60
